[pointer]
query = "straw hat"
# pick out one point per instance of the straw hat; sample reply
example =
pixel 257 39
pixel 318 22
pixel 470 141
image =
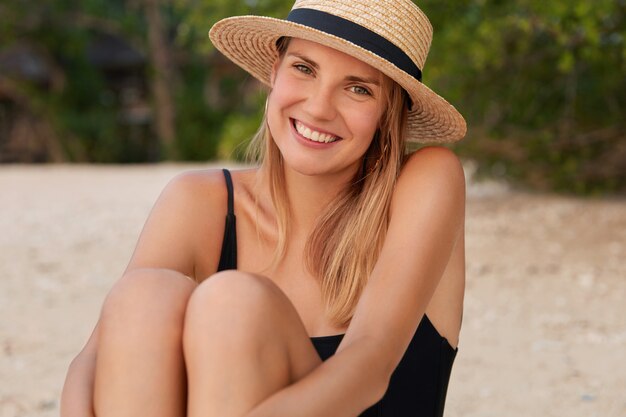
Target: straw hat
pixel 393 36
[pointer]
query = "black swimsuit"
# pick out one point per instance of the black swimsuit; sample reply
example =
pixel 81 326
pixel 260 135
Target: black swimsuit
pixel 419 383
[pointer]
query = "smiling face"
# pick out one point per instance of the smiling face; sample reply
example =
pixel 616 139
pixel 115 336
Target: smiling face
pixel 324 109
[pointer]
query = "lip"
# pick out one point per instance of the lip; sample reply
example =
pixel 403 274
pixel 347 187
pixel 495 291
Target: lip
pixel 308 142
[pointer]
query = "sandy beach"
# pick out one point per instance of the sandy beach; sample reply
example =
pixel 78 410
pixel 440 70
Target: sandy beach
pixel 545 315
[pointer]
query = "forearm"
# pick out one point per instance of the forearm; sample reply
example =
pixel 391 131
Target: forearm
pixel 77 396
pixel 344 385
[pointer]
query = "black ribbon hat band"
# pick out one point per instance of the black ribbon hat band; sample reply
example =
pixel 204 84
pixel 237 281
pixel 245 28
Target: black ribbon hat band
pixel 358 35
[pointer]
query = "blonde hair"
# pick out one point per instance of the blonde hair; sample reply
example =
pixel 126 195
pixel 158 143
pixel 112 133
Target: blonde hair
pixel 347 238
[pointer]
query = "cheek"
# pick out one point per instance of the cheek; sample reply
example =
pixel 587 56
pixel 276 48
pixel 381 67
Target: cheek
pixel 285 89
pixel 275 102
pixel 280 98
pixel 365 123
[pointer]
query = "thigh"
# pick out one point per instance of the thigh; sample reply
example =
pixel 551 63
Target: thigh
pixel 243 332
pixel 267 308
pixel 302 354
pixel 139 362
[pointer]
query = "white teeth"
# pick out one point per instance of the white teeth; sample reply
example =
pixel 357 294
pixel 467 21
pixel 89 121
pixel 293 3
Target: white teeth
pixel 314 135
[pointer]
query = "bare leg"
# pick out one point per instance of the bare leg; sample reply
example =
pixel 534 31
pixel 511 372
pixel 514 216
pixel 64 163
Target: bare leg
pixel 243 341
pixel 139 367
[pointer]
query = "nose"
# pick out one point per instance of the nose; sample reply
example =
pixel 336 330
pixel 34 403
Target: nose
pixel 319 103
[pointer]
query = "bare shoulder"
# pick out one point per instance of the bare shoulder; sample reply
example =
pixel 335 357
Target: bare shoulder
pixel 211 183
pixel 434 163
pixel 434 172
pixel 197 194
pixel 430 190
pixel 183 231
pixel 196 179
pixel 190 186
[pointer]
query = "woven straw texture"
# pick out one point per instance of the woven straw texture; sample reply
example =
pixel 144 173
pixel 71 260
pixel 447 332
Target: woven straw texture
pixel 250 42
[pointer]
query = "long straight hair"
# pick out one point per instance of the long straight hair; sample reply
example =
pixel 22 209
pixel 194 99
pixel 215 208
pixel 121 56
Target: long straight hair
pixel 344 245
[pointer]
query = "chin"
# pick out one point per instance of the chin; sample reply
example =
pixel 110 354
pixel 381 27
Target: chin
pixel 308 169
pixel 315 169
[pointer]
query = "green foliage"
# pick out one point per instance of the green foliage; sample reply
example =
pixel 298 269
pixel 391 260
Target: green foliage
pixel 197 17
pixel 240 126
pixel 542 86
pixel 541 83
pixel 198 126
pixel 83 111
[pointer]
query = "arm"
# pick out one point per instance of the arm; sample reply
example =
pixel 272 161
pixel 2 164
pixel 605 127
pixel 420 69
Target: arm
pixel 344 385
pixel 427 214
pixel 190 210
pixel 167 241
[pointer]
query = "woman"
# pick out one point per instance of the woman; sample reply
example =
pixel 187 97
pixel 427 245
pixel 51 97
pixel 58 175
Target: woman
pixel 341 285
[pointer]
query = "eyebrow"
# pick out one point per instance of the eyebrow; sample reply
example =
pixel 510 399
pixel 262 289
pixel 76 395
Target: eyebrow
pixel 302 57
pixel 352 78
pixel 356 79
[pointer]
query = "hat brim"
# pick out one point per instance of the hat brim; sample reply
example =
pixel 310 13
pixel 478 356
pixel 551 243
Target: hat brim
pixel 250 42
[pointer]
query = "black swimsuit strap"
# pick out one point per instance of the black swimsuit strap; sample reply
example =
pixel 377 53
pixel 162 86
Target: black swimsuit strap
pixel 229 188
pixel 228 257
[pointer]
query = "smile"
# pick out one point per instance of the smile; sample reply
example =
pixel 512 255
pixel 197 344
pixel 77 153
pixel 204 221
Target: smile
pixel 314 135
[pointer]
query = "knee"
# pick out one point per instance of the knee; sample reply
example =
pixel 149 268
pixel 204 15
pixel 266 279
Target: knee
pixel 234 288
pixel 145 296
pixel 237 296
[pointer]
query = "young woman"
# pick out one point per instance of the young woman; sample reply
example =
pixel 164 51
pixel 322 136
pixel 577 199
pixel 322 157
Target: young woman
pixel 341 283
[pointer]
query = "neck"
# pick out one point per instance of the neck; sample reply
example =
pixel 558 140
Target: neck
pixel 309 195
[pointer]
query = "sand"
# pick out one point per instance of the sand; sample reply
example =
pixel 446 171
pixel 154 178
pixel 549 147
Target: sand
pixel 545 316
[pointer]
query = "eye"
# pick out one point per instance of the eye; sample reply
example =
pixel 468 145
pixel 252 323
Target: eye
pixel 360 90
pixel 303 69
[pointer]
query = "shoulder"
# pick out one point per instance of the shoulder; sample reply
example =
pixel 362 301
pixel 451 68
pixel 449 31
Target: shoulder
pixel 198 197
pixel 433 163
pixel 209 183
pixel 431 178
pixel 203 189
pixel 179 230
pixel 191 183
pixel 190 212
pixel 433 170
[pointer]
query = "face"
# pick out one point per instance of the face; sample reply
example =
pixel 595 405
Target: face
pixel 324 109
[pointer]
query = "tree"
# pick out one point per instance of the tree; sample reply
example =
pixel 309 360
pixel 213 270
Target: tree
pixel 162 77
pixel 542 85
